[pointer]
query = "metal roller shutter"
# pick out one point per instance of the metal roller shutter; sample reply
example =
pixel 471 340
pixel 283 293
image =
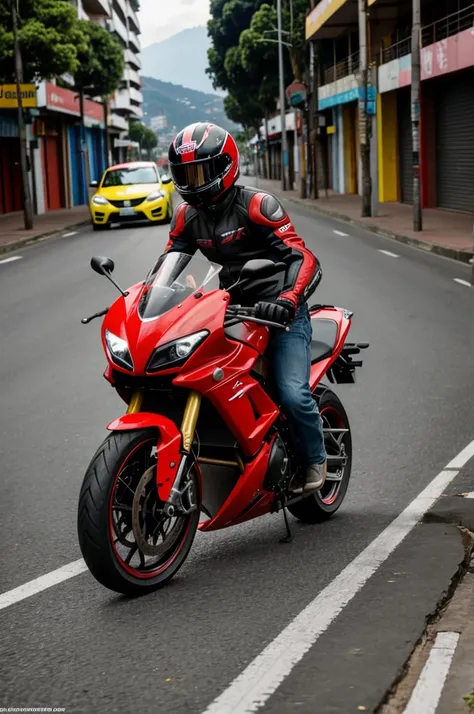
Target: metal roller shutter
pixel 455 142
pixel 405 145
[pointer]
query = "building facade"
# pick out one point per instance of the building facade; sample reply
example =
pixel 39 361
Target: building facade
pixel 446 105
pixel 61 165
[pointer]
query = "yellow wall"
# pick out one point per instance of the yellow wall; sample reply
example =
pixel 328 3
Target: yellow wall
pixel 387 129
pixel 350 165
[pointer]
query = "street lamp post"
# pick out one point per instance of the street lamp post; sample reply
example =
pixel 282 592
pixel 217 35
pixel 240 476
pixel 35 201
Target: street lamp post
pixel 284 138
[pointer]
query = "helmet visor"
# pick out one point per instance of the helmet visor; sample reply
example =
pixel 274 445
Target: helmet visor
pixel 197 175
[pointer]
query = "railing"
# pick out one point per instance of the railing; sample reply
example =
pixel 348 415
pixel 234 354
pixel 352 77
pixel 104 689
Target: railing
pixel 448 26
pixel 349 65
pixel 399 49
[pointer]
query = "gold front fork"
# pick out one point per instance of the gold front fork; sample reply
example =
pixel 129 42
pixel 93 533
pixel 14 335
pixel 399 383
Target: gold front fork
pixel 190 417
pixel 135 403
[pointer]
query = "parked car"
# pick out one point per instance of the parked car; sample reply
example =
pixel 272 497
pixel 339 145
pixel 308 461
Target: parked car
pixel 133 191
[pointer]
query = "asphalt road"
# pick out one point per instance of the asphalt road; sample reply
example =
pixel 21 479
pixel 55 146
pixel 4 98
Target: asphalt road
pixel 78 646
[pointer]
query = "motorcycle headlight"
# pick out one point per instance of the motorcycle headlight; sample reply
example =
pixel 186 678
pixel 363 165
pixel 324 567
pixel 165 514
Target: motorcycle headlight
pixel 99 200
pixel 119 352
pixel 155 195
pixel 175 353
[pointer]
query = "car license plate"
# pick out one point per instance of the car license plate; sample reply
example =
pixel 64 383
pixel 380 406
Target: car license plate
pixel 127 211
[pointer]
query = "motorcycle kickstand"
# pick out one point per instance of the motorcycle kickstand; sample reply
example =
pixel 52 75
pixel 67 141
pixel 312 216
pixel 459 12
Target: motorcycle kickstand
pixel 288 538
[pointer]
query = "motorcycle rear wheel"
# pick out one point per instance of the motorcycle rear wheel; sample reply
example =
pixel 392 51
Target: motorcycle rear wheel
pixel 128 544
pixel 323 504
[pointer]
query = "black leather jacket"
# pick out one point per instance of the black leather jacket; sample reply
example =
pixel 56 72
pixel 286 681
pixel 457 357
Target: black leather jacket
pixel 248 224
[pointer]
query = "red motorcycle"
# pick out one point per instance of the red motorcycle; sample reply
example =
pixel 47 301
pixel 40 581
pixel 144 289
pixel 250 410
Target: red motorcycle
pixel 203 444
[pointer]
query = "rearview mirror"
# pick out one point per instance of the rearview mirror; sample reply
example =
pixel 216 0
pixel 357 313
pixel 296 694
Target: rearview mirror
pixel 166 179
pixel 102 265
pixel 93 184
pixel 260 268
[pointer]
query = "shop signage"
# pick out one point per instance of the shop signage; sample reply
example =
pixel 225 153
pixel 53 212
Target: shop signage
pixel 448 55
pixel 67 102
pixel 296 94
pixel 8 96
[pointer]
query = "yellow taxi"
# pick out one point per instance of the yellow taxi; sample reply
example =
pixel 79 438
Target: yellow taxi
pixel 133 191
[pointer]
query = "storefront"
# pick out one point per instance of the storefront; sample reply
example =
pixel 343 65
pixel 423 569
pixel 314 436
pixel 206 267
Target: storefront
pixel 10 173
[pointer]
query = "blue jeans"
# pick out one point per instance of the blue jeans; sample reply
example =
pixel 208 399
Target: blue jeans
pixel 290 355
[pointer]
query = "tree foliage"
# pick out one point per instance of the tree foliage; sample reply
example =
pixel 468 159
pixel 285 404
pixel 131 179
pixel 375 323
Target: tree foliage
pixel 50 39
pixel 145 136
pixel 101 61
pixel 243 58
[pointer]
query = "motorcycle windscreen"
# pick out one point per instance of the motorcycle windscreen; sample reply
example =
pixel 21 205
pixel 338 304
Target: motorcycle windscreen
pixel 173 278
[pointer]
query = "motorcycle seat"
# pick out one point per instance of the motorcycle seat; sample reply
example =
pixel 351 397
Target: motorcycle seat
pixel 324 338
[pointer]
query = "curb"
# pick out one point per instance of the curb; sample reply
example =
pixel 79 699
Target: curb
pixel 436 248
pixel 25 242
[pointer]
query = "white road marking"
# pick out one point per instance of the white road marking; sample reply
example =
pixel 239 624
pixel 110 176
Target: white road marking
pixel 469 495
pixel 262 677
pixel 462 458
pixel 387 252
pixel 72 233
pixel 42 583
pixel 340 233
pixel 462 282
pixel 427 693
pixel 10 260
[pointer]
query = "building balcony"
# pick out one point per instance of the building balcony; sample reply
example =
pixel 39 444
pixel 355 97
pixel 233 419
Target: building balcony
pixel 133 77
pixel 121 101
pixel 133 19
pixel 133 59
pixel 347 66
pixel 136 111
pixel 134 42
pixel 119 27
pixel 117 122
pixel 120 6
pixel 136 96
pixel 96 8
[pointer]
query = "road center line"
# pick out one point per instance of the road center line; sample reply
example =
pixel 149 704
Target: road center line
pixel 72 233
pixel 262 677
pixel 387 252
pixel 462 282
pixel 42 583
pixel 10 260
pixel 427 693
pixel 340 233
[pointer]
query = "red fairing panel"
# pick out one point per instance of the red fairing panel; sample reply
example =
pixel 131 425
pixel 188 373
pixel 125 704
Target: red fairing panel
pixel 319 369
pixel 248 488
pixel 168 445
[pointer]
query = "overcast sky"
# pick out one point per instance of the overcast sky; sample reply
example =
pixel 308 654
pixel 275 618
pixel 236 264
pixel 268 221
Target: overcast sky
pixel 160 19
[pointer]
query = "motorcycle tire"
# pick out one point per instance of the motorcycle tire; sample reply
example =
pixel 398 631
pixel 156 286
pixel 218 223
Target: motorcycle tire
pixel 323 504
pixel 98 527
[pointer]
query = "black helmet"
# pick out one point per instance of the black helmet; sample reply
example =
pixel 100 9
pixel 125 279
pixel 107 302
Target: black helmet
pixel 204 163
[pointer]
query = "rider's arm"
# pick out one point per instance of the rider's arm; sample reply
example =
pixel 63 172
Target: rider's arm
pixel 303 271
pixel 181 239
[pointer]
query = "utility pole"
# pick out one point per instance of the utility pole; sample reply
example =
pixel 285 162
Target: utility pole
pixel 27 204
pixel 364 123
pixel 284 138
pixel 415 114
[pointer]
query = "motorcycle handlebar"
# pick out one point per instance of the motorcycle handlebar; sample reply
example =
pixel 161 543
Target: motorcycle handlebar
pixel 241 314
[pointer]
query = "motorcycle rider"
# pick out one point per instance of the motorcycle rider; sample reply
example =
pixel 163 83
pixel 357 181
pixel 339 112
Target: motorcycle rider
pixel 232 224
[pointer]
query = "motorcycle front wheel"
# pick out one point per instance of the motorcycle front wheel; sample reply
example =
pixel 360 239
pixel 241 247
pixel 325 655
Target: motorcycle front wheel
pixel 128 543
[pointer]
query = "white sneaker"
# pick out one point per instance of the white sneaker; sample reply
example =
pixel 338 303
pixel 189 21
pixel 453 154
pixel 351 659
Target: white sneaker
pixel 315 478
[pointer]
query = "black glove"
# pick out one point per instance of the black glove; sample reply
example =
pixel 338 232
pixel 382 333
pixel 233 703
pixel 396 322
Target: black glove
pixel 275 311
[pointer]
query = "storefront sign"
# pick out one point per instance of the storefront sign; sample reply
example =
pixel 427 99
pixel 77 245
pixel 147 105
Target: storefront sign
pixel 449 55
pixel 66 101
pixel 343 92
pixel 8 96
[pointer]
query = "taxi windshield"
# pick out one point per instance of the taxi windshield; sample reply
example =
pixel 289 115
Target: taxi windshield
pixel 130 176
pixel 173 278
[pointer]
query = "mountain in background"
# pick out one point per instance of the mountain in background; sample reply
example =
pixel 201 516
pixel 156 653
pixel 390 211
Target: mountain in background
pixel 181 105
pixel 181 59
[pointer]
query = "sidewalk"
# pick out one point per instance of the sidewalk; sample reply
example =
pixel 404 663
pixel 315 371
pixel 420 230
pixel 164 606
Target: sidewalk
pixel 14 236
pixel 446 233
pixel 439 676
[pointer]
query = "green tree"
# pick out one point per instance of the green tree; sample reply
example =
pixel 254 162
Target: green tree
pixel 49 35
pixel 101 61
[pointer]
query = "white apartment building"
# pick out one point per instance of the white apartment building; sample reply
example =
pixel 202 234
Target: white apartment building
pixel 120 18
